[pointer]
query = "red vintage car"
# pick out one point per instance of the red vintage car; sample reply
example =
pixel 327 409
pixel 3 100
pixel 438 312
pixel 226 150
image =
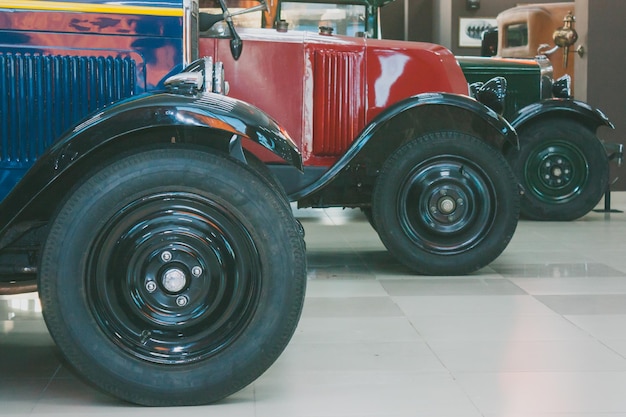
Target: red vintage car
pixel 385 126
pixel 562 165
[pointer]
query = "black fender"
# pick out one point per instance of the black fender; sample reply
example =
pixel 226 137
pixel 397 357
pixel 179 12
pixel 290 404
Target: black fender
pixel 204 120
pixel 591 117
pixel 409 118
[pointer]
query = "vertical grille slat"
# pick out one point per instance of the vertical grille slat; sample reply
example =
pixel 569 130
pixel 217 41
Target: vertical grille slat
pixel 338 112
pixel 44 95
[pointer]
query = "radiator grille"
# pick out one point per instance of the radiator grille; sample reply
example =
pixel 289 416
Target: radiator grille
pixel 338 112
pixel 41 96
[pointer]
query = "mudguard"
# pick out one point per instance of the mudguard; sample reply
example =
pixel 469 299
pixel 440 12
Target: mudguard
pixel 583 112
pixel 230 120
pixel 447 106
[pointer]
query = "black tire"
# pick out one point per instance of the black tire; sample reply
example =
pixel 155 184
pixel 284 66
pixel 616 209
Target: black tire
pixel 367 211
pixel 172 277
pixel 263 170
pixel 446 204
pixel 563 168
pixel 267 174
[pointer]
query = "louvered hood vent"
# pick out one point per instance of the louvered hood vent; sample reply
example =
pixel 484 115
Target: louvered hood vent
pixel 44 95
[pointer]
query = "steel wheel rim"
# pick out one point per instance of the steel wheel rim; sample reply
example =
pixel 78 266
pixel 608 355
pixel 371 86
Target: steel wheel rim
pixel 556 172
pixel 446 205
pixel 173 278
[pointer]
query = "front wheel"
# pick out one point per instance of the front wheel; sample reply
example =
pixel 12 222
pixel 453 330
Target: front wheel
pixel 446 204
pixel 563 168
pixel 172 277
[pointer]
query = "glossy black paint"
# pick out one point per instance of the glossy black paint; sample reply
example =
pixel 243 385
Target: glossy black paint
pixel 469 193
pixel 420 114
pixel 583 112
pixel 157 237
pixel 222 119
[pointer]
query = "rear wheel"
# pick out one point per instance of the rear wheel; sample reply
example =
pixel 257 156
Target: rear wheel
pixel 172 277
pixel 446 204
pixel 563 168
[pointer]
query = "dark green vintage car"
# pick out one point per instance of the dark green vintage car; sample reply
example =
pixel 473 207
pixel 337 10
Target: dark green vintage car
pixel 562 166
pixel 528 80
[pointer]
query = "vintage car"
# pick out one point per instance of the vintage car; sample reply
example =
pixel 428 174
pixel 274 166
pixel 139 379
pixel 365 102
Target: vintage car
pixel 527 30
pixel 170 271
pixel 562 165
pixel 544 32
pixel 420 157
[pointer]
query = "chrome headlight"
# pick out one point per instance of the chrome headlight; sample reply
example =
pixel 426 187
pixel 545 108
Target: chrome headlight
pixel 492 93
pixel 562 87
pixel 220 85
pixel 201 76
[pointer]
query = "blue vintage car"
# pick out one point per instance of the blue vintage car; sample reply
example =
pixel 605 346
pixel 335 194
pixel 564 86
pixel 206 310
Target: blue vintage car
pixel 169 265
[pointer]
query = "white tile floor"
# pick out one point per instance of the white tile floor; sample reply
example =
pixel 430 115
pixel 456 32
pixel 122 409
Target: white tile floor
pixel 539 333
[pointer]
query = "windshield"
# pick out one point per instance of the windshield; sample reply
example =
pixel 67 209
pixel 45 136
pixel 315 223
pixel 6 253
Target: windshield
pixel 345 19
pixel 249 20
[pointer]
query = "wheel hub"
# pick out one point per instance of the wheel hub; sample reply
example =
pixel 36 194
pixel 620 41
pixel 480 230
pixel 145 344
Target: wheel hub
pixel 556 171
pixel 172 277
pixel 447 205
pixel 190 278
pixel 174 280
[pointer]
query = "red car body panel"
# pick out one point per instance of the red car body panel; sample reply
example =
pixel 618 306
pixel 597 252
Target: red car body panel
pixel 326 89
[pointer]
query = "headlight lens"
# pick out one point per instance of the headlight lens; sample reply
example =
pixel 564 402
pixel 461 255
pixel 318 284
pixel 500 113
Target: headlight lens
pixel 562 87
pixel 201 75
pixel 492 93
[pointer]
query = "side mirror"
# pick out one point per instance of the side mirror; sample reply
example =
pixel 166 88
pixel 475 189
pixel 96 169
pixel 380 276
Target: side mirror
pixel 236 46
pixel 206 21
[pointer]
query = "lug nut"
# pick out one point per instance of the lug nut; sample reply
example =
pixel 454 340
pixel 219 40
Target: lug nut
pixel 196 271
pixel 182 301
pixel 151 286
pixel 166 256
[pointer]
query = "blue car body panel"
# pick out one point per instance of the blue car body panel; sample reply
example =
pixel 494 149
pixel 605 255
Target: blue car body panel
pixel 118 49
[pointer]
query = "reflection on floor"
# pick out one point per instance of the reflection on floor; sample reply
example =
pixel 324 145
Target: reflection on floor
pixel 540 332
